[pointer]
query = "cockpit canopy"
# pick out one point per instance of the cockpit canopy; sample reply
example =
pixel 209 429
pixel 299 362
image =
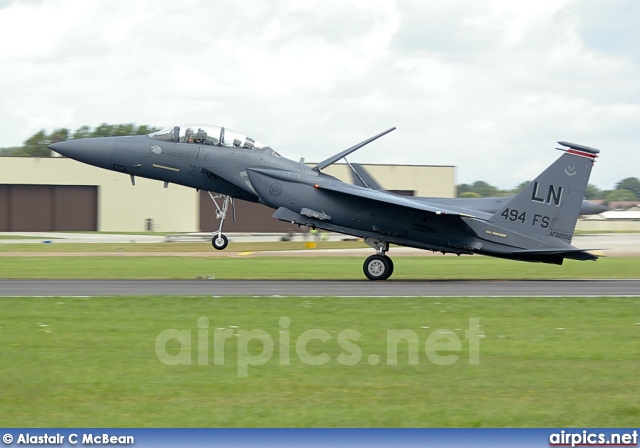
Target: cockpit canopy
pixel 206 135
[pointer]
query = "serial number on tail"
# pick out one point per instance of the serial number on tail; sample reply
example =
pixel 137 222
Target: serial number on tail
pixel 562 236
pixel 513 215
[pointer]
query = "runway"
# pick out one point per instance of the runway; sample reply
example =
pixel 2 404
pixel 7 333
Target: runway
pixel 316 288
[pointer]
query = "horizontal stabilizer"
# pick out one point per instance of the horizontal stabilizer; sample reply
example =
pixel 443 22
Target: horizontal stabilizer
pixel 574 254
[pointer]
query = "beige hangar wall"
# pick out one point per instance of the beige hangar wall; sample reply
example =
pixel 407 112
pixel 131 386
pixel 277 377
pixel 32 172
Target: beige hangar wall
pixel 125 208
pixel 121 206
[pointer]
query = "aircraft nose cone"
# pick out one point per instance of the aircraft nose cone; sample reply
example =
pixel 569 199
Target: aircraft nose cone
pixel 94 151
pixel 66 148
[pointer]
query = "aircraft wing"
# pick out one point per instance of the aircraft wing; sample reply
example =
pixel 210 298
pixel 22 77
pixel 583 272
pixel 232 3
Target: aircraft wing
pixel 355 191
pixel 340 188
pixel 361 177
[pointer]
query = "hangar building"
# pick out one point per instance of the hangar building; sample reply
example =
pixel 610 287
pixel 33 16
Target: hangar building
pixel 58 194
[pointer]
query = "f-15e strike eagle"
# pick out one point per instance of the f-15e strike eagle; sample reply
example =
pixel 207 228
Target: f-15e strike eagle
pixel 536 225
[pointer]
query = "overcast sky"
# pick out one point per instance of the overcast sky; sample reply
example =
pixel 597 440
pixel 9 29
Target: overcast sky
pixel 489 86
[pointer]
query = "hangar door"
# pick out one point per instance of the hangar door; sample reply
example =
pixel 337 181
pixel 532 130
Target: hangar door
pixel 37 208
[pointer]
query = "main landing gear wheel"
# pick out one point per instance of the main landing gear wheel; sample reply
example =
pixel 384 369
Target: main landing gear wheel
pixel 378 267
pixel 219 242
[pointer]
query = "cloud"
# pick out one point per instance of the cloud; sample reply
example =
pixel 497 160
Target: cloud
pixel 488 86
pixel 609 27
pixel 454 30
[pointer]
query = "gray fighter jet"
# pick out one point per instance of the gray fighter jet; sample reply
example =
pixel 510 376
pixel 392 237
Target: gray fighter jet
pixel 536 225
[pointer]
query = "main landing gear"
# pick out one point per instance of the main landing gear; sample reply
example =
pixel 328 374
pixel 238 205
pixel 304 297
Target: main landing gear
pixel 378 266
pixel 220 241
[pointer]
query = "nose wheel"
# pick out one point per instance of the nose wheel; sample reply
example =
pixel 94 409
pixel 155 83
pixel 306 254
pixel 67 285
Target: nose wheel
pixel 220 241
pixel 378 267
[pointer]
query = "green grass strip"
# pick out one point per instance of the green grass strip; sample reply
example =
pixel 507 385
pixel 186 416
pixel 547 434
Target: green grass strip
pixel 406 268
pixel 543 362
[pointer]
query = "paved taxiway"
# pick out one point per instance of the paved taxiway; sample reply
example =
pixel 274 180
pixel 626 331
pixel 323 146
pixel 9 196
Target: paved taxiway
pixel 356 288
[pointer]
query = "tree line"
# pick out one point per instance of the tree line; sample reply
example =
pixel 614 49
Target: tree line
pixel 36 146
pixel 625 190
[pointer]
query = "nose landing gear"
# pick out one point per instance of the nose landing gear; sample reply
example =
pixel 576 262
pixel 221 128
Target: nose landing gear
pixel 220 241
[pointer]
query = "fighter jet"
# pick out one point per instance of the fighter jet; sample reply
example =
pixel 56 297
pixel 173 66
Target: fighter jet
pixel 536 225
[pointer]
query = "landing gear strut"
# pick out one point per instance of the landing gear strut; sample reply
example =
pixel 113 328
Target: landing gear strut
pixel 220 241
pixel 379 266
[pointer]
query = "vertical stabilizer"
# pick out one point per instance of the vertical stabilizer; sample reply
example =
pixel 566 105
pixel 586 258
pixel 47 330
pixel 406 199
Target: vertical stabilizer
pixel 551 203
pixel 363 178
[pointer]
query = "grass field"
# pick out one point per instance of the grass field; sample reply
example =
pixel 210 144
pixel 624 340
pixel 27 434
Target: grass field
pixel 74 362
pixel 249 267
pixel 542 362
